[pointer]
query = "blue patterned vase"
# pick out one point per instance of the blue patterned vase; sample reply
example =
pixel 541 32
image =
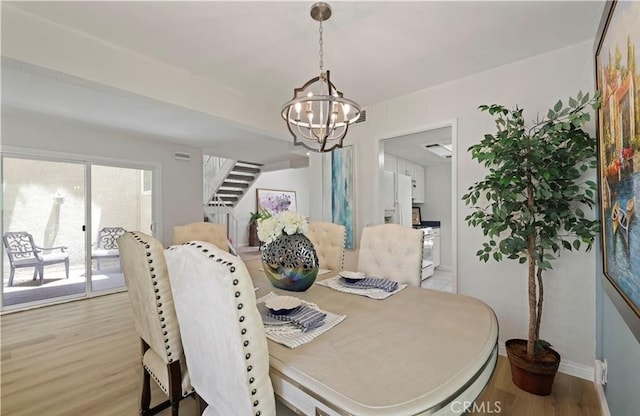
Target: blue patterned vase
pixel 290 262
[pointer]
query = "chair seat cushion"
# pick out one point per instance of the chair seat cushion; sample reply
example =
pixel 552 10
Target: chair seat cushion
pixel 160 372
pixel 25 262
pixel 100 252
pixel 52 257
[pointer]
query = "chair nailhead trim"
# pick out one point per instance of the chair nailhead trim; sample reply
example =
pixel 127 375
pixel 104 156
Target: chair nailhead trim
pixel 147 246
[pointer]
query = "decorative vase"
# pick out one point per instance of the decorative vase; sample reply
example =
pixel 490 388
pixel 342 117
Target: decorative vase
pixel 290 262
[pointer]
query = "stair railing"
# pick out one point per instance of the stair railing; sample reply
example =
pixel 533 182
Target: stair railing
pixel 214 171
pixel 220 212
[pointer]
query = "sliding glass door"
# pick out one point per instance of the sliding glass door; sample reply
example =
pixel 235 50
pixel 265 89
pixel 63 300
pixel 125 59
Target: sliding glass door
pixel 44 249
pixel 121 200
pixel 54 248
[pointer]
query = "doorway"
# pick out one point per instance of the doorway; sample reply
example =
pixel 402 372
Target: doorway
pixel 428 157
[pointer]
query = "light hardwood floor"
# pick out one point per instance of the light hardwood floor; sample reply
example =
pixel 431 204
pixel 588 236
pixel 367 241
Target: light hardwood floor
pixel 82 358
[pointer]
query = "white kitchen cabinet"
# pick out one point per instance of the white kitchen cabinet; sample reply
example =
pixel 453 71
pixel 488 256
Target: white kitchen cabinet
pixel 402 167
pixel 416 172
pixel 419 181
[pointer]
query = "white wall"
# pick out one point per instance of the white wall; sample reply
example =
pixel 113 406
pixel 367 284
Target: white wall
pixel 534 84
pixel 180 181
pixel 437 206
pixel 287 180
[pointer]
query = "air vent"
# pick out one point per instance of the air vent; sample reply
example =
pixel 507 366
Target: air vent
pixel 362 118
pixel 439 149
pixel 182 155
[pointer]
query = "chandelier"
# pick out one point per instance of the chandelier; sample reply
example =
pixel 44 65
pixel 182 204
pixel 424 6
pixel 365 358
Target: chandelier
pixel 319 116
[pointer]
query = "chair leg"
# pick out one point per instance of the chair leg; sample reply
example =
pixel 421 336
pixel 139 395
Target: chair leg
pixel 12 273
pixel 145 395
pixel 41 267
pixel 66 267
pixel 175 386
pixel 35 272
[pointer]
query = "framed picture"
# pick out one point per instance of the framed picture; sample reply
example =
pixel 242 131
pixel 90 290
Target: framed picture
pixel 416 217
pixel 343 195
pixel 276 201
pixel 618 81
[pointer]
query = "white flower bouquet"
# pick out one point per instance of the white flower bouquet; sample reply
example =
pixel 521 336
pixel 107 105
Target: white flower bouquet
pixel 287 222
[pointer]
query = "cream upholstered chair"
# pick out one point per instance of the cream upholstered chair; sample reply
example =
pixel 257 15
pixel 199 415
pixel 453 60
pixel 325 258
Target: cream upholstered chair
pixel 392 251
pixel 328 239
pixel 145 274
pixel 201 231
pixel 222 331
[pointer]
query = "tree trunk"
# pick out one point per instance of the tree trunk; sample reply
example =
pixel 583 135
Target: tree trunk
pixel 531 250
pixel 532 297
pixel 539 306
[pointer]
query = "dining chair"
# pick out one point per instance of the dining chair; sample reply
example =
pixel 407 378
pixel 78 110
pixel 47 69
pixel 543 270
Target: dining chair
pixel 145 273
pixel 392 251
pixel 23 252
pixel 328 239
pixel 222 331
pixel 201 231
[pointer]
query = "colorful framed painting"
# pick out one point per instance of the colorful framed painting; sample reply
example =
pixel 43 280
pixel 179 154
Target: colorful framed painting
pixel 618 81
pixel 343 191
pixel 276 201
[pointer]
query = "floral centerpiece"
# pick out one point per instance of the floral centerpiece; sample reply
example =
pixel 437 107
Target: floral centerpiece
pixel 287 222
pixel 289 259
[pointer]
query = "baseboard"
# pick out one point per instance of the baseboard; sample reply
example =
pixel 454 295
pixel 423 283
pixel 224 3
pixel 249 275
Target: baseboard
pixel 602 399
pixel 566 367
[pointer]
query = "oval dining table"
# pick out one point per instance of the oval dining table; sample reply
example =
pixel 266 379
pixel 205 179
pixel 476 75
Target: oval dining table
pixel 418 352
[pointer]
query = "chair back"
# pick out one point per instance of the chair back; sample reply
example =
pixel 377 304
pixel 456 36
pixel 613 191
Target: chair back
pixel 147 279
pixel 201 231
pixel 328 239
pixel 222 332
pixel 19 245
pixel 392 251
pixel 108 236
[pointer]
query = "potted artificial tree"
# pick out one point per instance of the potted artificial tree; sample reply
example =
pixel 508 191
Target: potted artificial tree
pixel 530 206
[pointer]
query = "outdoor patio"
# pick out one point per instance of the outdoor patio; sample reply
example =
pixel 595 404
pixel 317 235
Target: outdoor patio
pixel 55 283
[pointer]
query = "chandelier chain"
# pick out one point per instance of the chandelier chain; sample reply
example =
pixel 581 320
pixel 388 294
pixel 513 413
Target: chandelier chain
pixel 321 53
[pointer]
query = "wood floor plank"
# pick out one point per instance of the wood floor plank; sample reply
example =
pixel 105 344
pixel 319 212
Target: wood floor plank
pixel 82 358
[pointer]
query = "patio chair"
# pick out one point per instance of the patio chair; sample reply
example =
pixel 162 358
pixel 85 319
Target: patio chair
pixel 23 252
pixel 107 247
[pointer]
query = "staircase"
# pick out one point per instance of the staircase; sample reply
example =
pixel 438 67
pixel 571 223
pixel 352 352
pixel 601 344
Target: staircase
pixel 237 181
pixel 224 183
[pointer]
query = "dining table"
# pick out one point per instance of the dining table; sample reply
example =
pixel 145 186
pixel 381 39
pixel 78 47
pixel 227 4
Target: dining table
pixel 417 352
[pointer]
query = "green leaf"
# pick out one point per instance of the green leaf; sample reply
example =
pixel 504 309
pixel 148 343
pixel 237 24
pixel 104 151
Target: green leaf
pixel 558 106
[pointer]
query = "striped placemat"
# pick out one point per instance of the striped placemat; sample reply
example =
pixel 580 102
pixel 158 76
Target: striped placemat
pixel 334 283
pixel 293 337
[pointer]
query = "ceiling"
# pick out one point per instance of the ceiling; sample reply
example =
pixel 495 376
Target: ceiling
pixel 375 51
pixel 411 146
